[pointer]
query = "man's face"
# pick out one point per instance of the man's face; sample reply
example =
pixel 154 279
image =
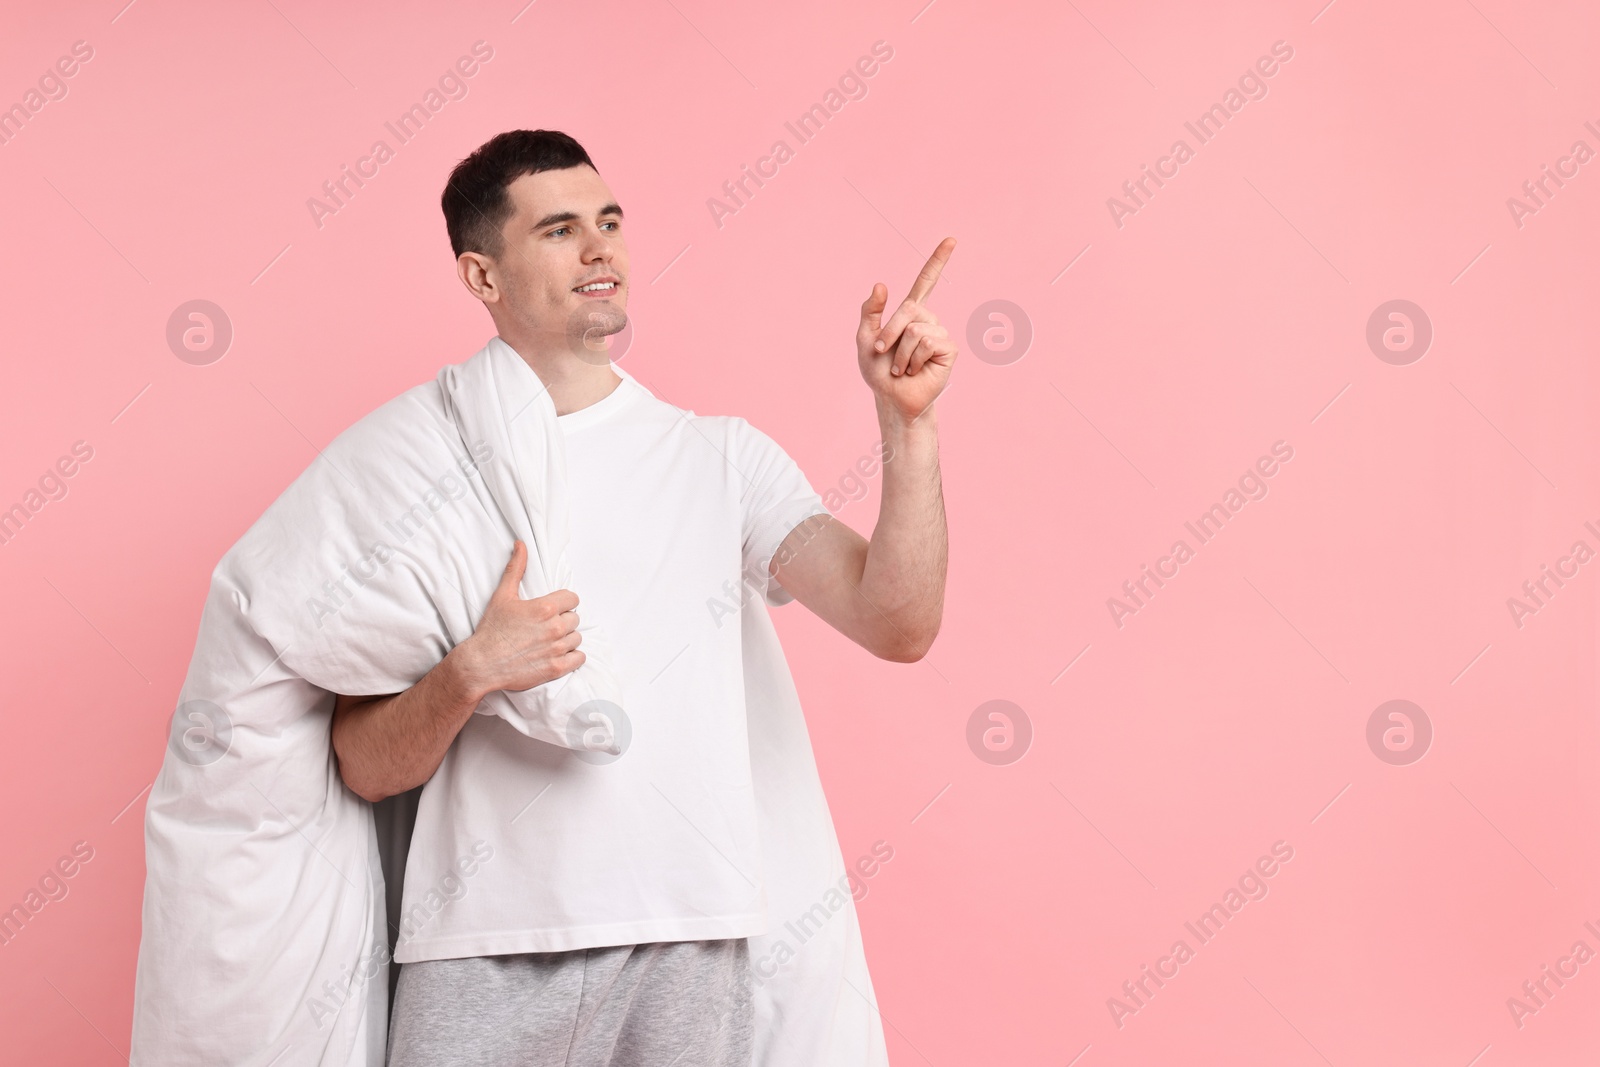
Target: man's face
pixel 565 233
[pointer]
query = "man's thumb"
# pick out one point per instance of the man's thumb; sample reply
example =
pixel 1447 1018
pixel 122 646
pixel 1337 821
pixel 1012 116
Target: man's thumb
pixel 873 307
pixel 515 569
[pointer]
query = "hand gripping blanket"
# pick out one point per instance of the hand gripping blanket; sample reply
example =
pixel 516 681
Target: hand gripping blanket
pixel 264 937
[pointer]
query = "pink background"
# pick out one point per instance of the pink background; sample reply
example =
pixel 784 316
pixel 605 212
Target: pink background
pixel 1227 314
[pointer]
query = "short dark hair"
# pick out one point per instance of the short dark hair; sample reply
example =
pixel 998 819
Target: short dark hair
pixel 475 200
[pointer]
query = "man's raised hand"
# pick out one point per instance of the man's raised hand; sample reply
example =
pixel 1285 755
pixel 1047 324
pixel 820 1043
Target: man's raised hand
pixel 907 360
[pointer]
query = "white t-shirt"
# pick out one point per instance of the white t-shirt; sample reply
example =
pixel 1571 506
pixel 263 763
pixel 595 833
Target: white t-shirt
pixel 523 846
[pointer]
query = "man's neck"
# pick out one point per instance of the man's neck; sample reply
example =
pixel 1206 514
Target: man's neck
pixel 573 383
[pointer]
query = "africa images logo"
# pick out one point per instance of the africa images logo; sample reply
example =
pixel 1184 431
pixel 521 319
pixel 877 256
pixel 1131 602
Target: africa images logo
pixel 201 733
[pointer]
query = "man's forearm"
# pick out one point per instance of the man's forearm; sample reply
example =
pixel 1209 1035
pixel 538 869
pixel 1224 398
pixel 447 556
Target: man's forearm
pixel 904 575
pixel 390 744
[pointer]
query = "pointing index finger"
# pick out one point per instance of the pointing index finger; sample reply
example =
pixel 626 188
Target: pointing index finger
pixel 931 270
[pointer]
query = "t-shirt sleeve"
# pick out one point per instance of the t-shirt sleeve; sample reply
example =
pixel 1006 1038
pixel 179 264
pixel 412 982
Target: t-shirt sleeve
pixel 776 498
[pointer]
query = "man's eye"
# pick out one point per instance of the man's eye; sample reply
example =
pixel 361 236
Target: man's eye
pixel 557 230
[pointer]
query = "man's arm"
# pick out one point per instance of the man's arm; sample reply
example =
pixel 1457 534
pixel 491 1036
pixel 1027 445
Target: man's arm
pixel 887 595
pixel 389 744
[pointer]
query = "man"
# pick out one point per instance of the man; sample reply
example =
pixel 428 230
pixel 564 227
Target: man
pixel 652 879
pixel 616 924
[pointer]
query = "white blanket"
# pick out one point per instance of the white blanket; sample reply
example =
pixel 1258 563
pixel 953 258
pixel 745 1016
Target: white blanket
pixel 263 939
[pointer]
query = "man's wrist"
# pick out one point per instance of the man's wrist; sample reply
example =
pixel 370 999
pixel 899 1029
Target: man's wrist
pixel 458 679
pixel 897 427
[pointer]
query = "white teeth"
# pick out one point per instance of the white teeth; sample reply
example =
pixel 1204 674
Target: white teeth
pixel 595 286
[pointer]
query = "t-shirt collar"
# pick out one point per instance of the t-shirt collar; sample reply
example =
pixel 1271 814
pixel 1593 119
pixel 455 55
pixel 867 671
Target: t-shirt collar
pixel 625 392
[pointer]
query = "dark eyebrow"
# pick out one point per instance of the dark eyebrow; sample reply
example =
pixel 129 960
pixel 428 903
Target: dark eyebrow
pixel 573 216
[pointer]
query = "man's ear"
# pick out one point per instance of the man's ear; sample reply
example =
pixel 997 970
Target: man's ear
pixel 476 272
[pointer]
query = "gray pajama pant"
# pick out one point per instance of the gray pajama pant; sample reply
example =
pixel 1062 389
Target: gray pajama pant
pixel 664 1004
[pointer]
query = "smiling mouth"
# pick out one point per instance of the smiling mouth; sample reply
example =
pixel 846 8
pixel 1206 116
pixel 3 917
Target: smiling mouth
pixel 597 287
